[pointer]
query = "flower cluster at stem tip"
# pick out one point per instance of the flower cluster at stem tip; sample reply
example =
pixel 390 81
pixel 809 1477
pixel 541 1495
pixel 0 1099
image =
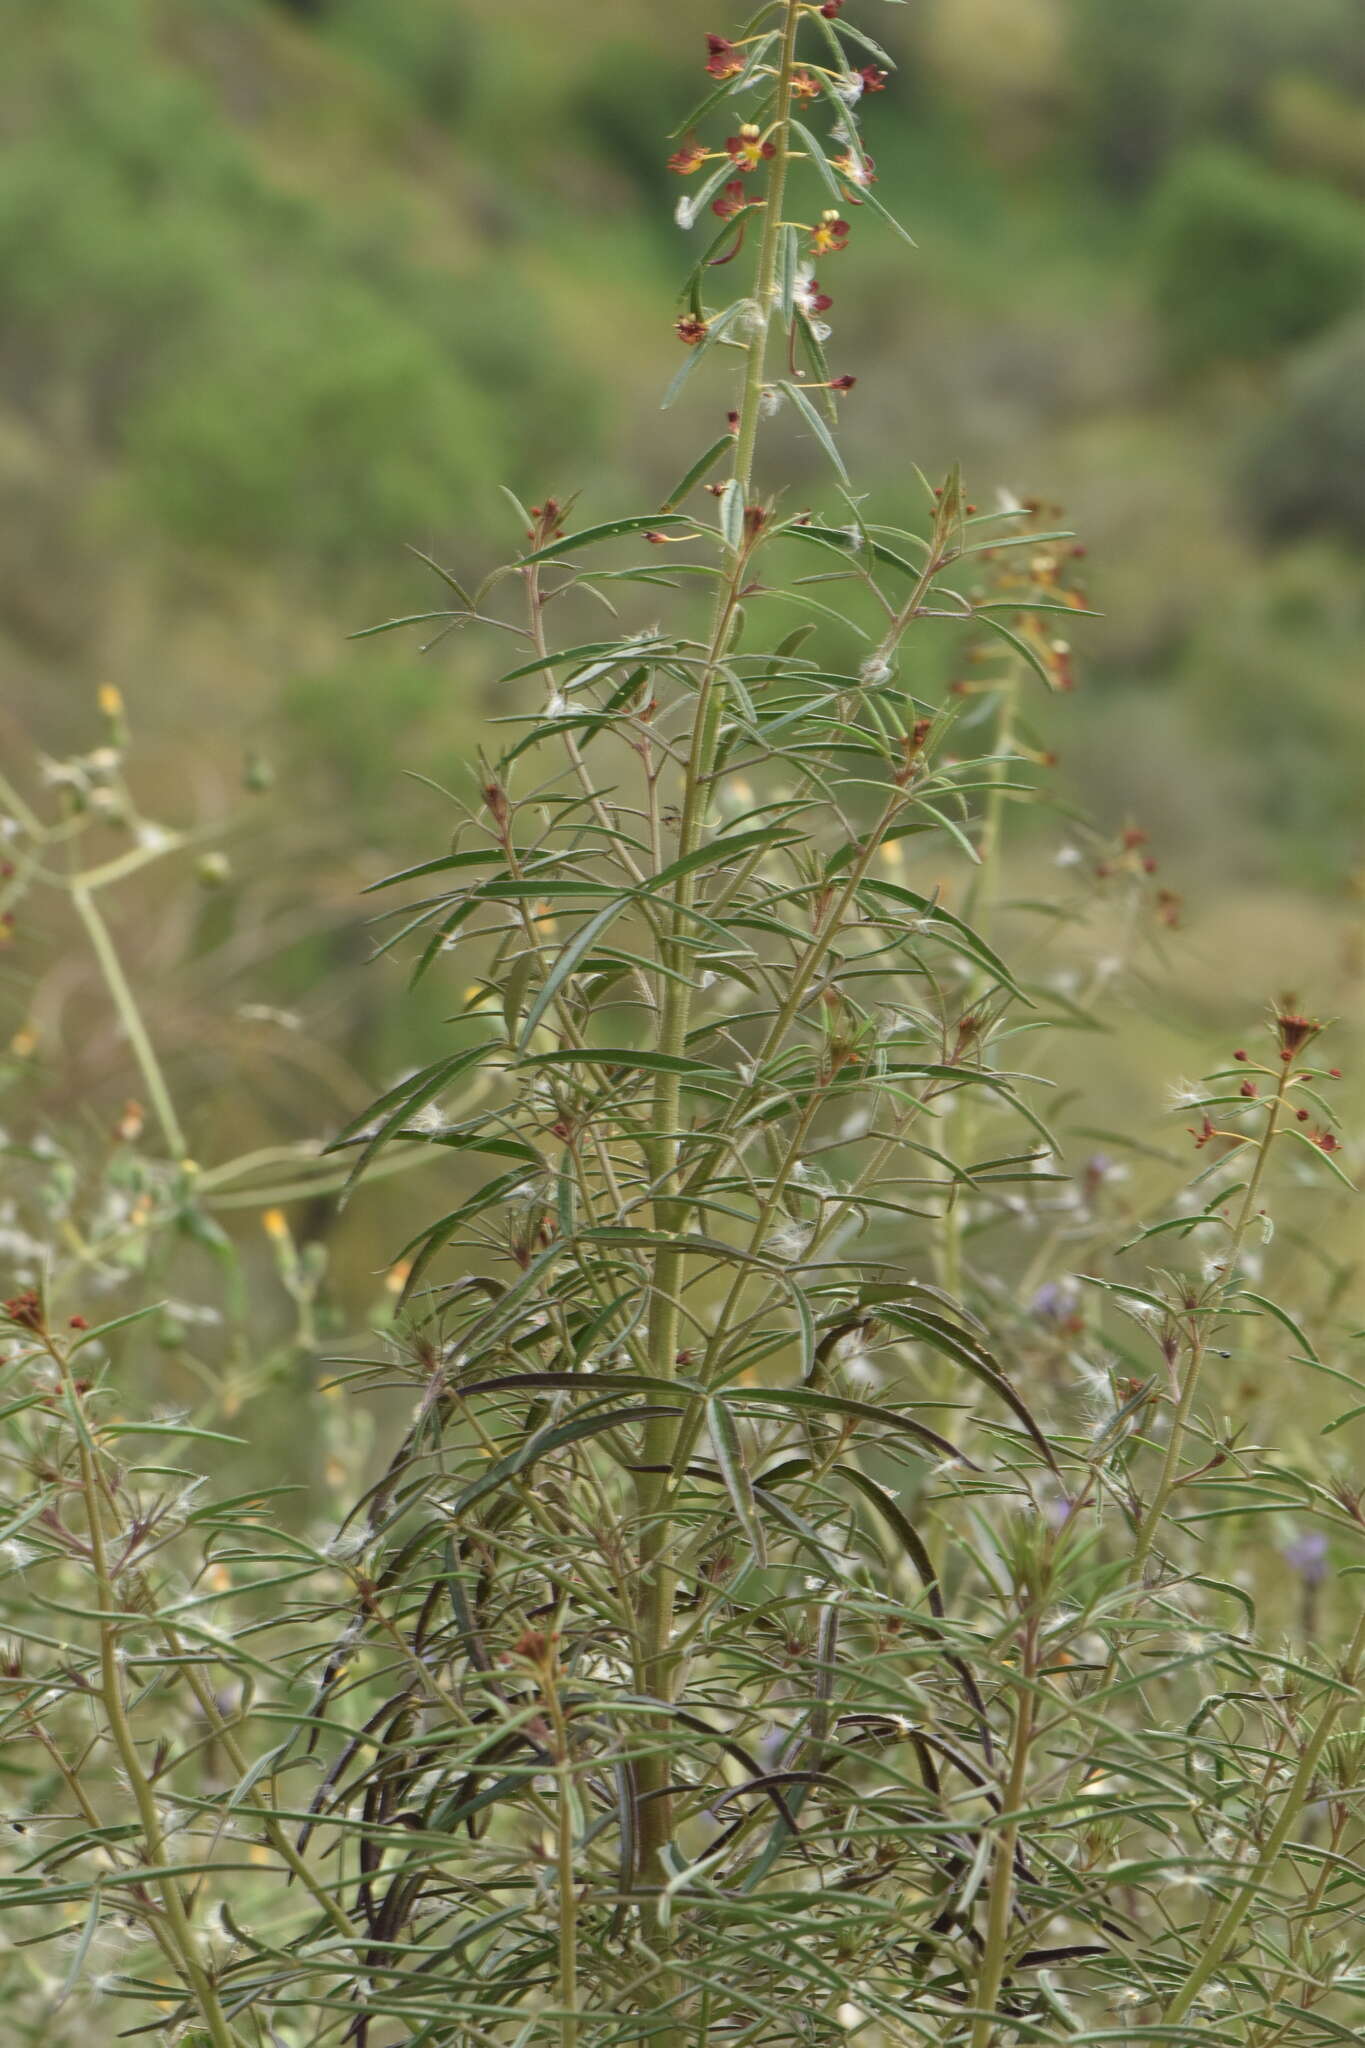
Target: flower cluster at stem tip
pixel 732 191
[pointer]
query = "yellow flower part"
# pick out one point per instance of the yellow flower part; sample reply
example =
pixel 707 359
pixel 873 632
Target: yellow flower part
pixel 275 1224
pixel 111 700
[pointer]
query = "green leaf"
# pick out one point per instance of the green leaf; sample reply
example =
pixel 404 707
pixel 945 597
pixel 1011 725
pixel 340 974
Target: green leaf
pixel 860 1411
pixel 842 543
pixel 817 426
pixel 415 1095
pixel 787 266
pixel 1021 647
pixel 732 515
pixel 955 1343
pixel 481 857
pixel 700 468
pixel 610 530
pixel 730 1457
pixel 629 1058
pixel 925 906
pixel 1272 1308
pixel 546 1441
pixel 564 966
pixel 445 575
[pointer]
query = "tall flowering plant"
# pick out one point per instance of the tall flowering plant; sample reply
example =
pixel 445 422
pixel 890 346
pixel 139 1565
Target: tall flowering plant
pixel 803 1601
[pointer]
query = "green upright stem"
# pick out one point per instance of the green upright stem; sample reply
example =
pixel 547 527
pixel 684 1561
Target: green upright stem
pixel 655 1674
pixel 979 910
pixel 996 1950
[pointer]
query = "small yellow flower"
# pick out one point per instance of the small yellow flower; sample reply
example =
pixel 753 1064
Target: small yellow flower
pixel 275 1224
pixel 111 700
pixel 396 1279
pixel 24 1043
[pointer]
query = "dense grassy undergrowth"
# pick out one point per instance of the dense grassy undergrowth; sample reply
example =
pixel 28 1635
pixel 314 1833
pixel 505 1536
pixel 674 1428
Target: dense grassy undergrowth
pixel 821 1533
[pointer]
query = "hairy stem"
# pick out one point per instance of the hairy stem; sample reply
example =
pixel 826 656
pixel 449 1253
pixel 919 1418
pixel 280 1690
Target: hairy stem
pixel 1001 1902
pixel 659 1581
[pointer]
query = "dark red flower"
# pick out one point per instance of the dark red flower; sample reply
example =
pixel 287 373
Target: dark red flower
pixel 689 158
pixel 690 329
pixel 723 60
pixel 748 149
pixel 874 78
pixel 1326 1141
pixel 844 383
pixel 804 87
pixel 733 199
pixel 829 235
pixel 859 170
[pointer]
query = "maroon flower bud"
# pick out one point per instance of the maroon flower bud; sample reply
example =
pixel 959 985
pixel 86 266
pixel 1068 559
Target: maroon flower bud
pixel 843 383
pixel 874 78
pixel 1295 1031
pixel 690 329
pixel 26 1310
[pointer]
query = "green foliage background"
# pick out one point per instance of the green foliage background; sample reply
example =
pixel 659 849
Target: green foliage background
pixel 289 286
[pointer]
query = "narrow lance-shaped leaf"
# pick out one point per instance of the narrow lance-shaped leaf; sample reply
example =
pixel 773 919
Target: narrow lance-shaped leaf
pixel 817 426
pixel 730 1457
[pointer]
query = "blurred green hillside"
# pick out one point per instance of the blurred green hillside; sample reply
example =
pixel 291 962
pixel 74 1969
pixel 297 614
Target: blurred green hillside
pixel 289 286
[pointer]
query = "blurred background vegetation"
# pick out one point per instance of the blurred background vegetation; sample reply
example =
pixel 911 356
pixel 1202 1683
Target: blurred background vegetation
pixel 289 286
